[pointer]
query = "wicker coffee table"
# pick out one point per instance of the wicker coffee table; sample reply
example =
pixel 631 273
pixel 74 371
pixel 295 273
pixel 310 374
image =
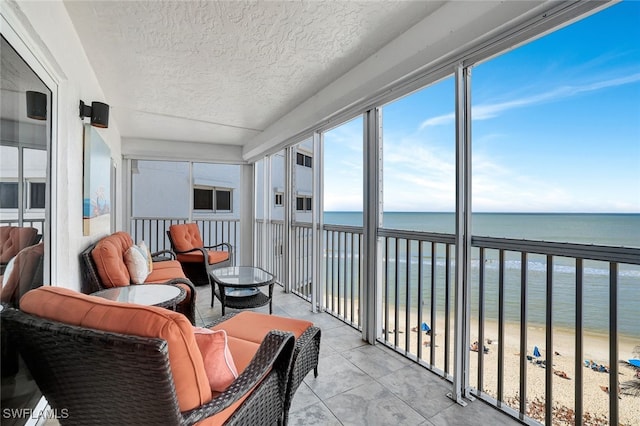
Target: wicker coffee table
pixel 239 287
pixel 163 295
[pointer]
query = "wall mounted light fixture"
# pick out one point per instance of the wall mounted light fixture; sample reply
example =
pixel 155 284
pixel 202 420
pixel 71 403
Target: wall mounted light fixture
pixel 98 111
pixel 36 105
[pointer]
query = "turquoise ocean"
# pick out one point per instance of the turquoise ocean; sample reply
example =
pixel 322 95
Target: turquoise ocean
pixel 616 230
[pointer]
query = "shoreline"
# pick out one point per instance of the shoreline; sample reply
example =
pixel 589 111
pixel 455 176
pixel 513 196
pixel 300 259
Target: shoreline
pixel 595 348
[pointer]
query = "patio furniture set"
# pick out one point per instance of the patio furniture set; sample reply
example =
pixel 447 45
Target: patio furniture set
pixel 130 336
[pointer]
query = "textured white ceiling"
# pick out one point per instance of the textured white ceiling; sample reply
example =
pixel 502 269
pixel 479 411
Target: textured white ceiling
pixel 223 71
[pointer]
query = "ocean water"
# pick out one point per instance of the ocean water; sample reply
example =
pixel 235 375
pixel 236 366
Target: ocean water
pixel 617 230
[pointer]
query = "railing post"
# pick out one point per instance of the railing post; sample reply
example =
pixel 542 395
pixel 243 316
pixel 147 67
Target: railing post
pixel 244 256
pixel 268 236
pixel 317 224
pixel 371 290
pixel 289 202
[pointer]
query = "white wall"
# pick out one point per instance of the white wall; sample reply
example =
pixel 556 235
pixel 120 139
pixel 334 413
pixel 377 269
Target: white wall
pixel 156 149
pixel 161 189
pixel 50 38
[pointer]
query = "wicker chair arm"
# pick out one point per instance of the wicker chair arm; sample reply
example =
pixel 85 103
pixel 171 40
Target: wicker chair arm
pixel 200 249
pixel 228 247
pixel 274 354
pixel 205 252
pixel 157 254
pixel 185 281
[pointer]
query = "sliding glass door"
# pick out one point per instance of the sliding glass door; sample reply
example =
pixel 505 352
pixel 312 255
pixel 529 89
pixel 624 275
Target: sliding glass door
pixel 25 199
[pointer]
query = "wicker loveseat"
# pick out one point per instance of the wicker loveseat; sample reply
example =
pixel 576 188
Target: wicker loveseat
pixel 102 362
pixel 103 266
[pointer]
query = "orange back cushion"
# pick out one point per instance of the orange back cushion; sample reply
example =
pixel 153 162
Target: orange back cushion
pixel 108 256
pixel 13 239
pixel 70 307
pixel 185 236
pixel 22 277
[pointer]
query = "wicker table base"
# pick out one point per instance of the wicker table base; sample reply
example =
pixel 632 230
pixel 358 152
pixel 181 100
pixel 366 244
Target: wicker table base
pixel 242 278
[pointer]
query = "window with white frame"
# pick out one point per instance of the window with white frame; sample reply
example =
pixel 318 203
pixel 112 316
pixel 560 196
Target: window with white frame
pixel 8 195
pixel 279 199
pixel 212 199
pixel 36 194
pixel 304 160
pixel 303 203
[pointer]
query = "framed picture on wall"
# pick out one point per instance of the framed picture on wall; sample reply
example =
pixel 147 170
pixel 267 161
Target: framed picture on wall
pixel 96 214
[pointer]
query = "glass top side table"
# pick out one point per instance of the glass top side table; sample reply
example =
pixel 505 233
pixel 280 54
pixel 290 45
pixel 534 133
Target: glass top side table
pixel 239 287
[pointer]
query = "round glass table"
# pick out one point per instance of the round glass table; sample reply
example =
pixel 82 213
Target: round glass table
pixel 239 287
pixel 163 295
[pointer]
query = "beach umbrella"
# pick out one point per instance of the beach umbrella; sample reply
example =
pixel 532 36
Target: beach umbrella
pixel 425 327
pixel 635 362
pixel 536 352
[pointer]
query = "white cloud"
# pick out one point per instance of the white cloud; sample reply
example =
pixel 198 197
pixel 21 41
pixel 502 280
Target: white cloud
pixel 419 176
pixel 487 111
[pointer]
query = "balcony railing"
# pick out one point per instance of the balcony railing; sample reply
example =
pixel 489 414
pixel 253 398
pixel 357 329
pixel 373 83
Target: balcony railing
pixel 512 282
pixel 34 223
pixel 522 294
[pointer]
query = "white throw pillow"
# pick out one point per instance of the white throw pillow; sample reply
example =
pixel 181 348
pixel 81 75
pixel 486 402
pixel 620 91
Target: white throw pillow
pixel 147 254
pixel 136 264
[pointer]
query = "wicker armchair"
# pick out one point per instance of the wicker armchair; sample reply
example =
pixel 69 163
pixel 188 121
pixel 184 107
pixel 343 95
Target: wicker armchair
pixel 305 357
pixel 197 260
pixel 93 377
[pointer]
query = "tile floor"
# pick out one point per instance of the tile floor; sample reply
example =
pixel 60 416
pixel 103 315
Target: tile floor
pixel 361 384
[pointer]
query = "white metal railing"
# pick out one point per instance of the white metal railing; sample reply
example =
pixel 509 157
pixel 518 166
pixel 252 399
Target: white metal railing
pixel 508 277
pixel 34 223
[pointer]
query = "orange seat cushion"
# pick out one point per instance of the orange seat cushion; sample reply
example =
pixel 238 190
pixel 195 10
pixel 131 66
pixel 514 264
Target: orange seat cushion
pixel 70 307
pixel 254 326
pixel 165 271
pixel 215 256
pixel 108 256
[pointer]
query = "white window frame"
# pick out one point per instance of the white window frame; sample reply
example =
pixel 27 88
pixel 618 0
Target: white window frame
pixel 305 158
pixel 15 181
pixel 27 193
pixel 214 190
pixel 277 195
pixel 306 200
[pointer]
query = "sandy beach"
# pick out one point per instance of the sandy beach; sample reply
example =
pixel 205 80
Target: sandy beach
pixel 596 348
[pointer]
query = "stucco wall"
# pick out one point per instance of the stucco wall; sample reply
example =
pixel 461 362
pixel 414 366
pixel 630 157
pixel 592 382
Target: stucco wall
pixel 47 35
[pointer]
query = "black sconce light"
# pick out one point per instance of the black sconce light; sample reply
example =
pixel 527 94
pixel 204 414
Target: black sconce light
pixel 98 112
pixel 36 105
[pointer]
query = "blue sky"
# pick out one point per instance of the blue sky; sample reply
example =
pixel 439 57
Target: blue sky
pixel 556 128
